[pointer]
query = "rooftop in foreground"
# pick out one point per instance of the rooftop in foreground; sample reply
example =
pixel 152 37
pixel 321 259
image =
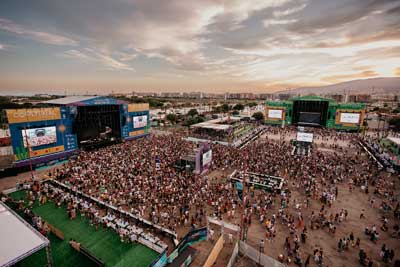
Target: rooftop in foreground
pixel 18 239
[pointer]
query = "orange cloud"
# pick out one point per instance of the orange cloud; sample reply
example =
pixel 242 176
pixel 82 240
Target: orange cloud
pixel 397 71
pixel 346 77
pixel 357 40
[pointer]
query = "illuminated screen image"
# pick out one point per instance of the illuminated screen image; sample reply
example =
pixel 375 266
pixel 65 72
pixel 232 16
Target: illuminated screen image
pixel 39 136
pixel 275 113
pixel 207 157
pixel 140 121
pixel 350 117
pixel 304 137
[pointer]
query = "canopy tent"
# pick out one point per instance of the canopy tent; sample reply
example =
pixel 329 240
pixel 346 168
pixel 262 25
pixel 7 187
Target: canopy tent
pixel 208 125
pixel 18 239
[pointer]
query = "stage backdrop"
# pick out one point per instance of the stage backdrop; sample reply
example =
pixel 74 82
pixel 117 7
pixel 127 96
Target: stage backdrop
pixel 46 131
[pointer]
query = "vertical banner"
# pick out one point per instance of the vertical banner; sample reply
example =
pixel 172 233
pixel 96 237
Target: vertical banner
pixel 161 260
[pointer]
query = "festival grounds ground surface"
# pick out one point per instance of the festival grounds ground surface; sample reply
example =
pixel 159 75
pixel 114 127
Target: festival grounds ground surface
pixel 107 246
pixel 104 244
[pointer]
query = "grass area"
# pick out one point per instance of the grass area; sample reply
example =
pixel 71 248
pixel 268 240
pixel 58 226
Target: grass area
pixel 63 255
pixel 104 243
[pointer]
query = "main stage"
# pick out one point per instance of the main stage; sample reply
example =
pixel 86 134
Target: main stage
pixel 42 136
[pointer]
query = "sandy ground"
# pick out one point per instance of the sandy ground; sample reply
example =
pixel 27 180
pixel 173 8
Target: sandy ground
pixel 10 182
pixel 354 202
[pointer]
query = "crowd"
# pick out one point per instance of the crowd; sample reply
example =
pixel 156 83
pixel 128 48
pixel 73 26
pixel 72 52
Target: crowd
pixel 125 176
pixel 317 178
pixel 98 215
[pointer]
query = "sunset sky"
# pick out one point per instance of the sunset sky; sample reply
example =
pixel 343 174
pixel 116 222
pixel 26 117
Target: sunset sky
pixel 99 46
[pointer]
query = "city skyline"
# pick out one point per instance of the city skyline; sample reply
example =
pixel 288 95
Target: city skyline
pixel 97 47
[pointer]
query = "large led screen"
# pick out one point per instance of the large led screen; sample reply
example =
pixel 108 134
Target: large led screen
pixel 140 121
pixel 275 113
pixel 304 137
pixel 350 117
pixel 39 136
pixel 207 157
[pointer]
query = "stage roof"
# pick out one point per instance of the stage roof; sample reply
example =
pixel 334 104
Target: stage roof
pixel 311 98
pixel 85 101
pixel 395 140
pixel 18 239
pixel 69 100
pixel 208 125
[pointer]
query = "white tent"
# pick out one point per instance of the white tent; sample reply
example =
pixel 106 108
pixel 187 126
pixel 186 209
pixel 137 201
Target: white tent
pixel 18 239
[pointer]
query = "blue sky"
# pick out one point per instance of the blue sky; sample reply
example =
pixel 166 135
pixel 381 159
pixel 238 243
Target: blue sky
pixel 215 46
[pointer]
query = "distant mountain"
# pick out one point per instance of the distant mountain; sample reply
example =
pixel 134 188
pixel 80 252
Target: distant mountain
pixel 365 86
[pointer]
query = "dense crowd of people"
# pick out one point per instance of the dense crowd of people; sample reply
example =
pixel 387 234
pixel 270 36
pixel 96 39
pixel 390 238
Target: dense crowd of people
pixel 126 176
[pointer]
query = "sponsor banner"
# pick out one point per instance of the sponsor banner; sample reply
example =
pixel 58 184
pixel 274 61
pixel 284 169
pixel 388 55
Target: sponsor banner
pixel 136 133
pixel 350 118
pixel 190 238
pixel 304 137
pixel 138 107
pixel 45 151
pixel 37 153
pixel 275 113
pixel 31 115
pixel 161 261
pixel 207 157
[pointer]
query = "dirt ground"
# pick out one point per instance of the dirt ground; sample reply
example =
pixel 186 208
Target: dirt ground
pixel 10 182
pixel 354 202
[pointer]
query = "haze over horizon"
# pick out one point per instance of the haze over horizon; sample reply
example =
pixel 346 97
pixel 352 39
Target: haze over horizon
pixel 97 47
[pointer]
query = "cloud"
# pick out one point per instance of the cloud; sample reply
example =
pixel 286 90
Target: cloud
pixel 270 22
pixel 113 64
pixel 91 55
pixel 346 77
pixel 289 11
pixel 127 57
pixel 75 54
pixel 255 43
pixel 325 15
pixel 39 36
pixel 397 71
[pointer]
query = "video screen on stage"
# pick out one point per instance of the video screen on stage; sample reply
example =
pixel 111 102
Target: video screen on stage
pixel 140 121
pixel 39 136
pixel 304 137
pixel 310 117
pixel 275 113
pixel 350 117
pixel 207 157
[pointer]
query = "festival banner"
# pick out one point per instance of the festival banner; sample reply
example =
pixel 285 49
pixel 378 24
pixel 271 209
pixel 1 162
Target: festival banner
pixel 190 238
pixel 136 133
pixel 138 107
pixel 161 260
pixel 31 115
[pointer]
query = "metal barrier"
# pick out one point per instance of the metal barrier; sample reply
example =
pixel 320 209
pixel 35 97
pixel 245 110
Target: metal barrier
pixel 257 256
pixel 234 255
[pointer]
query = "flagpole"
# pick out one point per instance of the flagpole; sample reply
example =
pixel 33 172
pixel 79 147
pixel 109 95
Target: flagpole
pixel 242 225
pixel 29 151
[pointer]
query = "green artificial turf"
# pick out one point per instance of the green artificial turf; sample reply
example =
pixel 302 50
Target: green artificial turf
pixel 103 243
